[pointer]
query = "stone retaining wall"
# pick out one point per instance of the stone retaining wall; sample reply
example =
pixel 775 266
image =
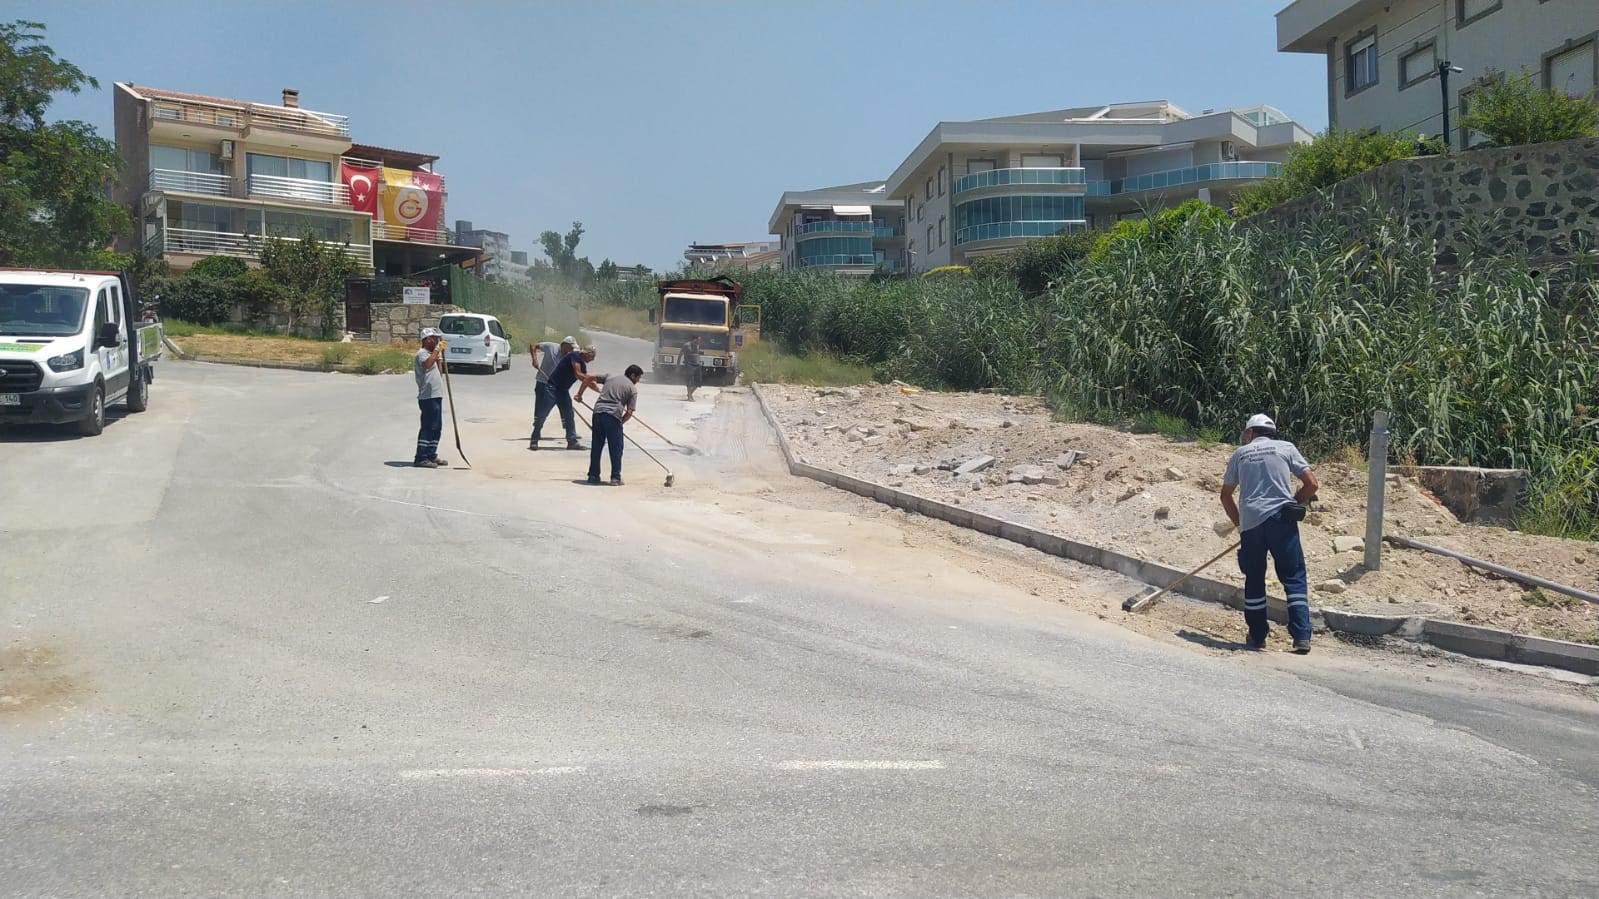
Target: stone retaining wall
pixel 1541 199
pixel 404 322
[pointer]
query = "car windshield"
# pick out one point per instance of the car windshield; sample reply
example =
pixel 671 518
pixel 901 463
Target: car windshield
pixel 684 311
pixel 29 310
pixel 461 324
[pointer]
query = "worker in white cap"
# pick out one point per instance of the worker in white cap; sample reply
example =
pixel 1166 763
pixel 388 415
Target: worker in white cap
pixel 546 356
pixel 1267 513
pixel 429 398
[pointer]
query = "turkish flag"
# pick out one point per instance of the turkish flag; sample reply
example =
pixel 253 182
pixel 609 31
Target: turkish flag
pixel 363 185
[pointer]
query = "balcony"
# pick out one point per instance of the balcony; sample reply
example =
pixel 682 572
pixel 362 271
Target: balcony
pixel 203 183
pixel 1015 230
pixel 170 110
pixel 199 242
pixel 1216 171
pixel 838 259
pixel 281 188
pixel 834 227
pixel 387 231
pixel 882 233
pixel 1004 177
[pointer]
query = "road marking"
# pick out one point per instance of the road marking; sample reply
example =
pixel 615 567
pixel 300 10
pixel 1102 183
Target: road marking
pixel 862 765
pixel 379 599
pixel 419 773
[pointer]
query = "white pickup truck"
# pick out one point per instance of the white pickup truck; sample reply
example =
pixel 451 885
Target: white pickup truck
pixel 71 343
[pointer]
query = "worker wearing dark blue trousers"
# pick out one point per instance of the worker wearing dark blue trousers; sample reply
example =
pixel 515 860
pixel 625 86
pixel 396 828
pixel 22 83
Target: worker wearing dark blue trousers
pixel 618 398
pixel 1267 515
pixel 429 398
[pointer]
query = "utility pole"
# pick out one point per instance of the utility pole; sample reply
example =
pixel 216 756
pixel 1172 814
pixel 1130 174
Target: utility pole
pixel 1444 68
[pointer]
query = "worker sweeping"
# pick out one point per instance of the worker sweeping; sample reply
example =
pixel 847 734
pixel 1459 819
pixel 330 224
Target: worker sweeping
pixel 429 398
pixel 1267 515
pixel 617 401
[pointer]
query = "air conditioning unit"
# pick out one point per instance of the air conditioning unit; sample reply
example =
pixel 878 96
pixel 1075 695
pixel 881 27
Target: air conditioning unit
pixel 1229 152
pixel 227 149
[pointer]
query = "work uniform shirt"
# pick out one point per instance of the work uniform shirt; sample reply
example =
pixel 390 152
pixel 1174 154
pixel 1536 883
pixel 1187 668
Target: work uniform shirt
pixel 691 354
pixel 1260 471
pixel 549 357
pixel 429 383
pixel 562 379
pixel 618 396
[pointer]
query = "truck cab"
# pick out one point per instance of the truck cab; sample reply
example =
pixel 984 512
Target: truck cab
pixel 72 343
pixel 708 308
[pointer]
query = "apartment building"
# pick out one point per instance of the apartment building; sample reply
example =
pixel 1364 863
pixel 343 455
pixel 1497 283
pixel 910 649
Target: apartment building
pixel 1383 56
pixel 406 208
pixel 853 228
pixel 988 186
pixel 501 262
pixel 744 256
pixel 206 175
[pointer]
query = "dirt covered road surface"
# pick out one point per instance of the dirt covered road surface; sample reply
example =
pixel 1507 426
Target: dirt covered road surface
pixel 1156 498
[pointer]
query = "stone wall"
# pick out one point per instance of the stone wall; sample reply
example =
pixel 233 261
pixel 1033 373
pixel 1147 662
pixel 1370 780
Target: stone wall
pixel 1541 199
pixel 404 322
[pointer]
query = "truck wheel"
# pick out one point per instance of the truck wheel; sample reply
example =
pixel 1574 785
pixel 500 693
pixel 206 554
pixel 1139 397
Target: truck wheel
pixel 139 395
pixel 92 424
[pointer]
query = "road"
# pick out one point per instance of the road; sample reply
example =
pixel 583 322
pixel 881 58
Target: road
pixel 249 651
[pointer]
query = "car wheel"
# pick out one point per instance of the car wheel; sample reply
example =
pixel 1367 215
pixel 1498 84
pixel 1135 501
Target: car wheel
pixel 494 364
pixel 92 424
pixel 139 395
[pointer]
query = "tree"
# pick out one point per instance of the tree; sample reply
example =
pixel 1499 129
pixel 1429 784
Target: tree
pixel 606 271
pixel 311 274
pixel 1514 111
pixel 53 177
pixel 562 250
pixel 1333 156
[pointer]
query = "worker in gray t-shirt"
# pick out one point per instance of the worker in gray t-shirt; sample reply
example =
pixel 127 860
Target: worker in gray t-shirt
pixel 429 398
pixel 618 398
pixel 546 356
pixel 1267 512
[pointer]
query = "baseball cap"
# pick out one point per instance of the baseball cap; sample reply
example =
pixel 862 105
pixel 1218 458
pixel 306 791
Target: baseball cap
pixel 431 332
pixel 569 341
pixel 1260 422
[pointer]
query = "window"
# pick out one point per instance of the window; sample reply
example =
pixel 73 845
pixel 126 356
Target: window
pixel 929 238
pixel 102 311
pixel 179 159
pixel 1572 69
pixel 1040 161
pixel 929 187
pixel 940 230
pixel 1360 63
pixel 941 181
pixel 495 329
pixel 1468 11
pixel 1418 65
pixel 289 167
pixel 919 210
pixel 204 217
pixel 974 166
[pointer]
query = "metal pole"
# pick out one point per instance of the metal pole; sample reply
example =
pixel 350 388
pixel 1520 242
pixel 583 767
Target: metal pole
pixel 1377 480
pixel 1443 79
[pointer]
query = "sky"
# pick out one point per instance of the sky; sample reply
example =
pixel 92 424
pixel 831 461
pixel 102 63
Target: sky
pixel 658 124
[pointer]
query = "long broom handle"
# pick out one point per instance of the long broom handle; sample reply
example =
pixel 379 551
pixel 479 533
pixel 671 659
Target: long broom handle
pixel 1209 562
pixel 642 422
pixel 629 439
pixel 445 368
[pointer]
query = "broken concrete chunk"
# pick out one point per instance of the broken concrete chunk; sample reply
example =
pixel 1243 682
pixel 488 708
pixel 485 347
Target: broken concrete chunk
pixel 855 435
pixel 1222 528
pixel 1174 474
pixel 1131 492
pixel 1333 586
pixel 874 440
pixel 1066 460
pixel 972 466
pixel 1348 544
pixel 914 424
pixel 1026 474
pixel 1163 513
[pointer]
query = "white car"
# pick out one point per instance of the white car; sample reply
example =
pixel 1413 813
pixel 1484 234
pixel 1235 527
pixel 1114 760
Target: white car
pixel 476 339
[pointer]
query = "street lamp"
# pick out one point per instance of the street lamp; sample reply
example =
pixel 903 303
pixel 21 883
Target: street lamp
pixel 1444 68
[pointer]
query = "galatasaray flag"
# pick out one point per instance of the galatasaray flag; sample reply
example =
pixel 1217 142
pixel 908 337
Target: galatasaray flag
pixel 412 199
pixel 363 185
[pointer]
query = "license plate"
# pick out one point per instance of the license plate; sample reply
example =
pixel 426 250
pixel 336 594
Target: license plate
pixel 10 399
pixel 460 349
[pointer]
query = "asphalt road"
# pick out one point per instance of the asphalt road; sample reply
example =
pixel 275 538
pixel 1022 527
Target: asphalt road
pixel 248 651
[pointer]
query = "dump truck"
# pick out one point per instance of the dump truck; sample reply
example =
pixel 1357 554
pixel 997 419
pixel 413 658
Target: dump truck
pixel 72 343
pixel 712 309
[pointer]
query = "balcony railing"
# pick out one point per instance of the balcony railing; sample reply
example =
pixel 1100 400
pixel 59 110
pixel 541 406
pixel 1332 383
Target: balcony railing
pixel 999 177
pixel 834 227
pixel 1003 230
pixel 1216 171
pixel 197 112
pixel 388 231
pixel 282 188
pixel 837 259
pixel 190 182
pixel 882 232
pixel 200 242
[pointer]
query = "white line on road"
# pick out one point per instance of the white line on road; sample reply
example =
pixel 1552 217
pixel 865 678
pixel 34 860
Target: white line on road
pixel 862 765
pixel 418 773
pixel 379 599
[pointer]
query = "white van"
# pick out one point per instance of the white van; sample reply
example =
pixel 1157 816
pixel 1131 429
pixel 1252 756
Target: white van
pixel 70 344
pixel 476 339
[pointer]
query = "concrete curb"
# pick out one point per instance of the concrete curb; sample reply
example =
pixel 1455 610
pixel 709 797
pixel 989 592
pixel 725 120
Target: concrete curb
pixel 1481 642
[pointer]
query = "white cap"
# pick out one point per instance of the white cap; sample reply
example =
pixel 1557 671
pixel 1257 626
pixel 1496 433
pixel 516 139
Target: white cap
pixel 431 332
pixel 1260 422
pixel 570 341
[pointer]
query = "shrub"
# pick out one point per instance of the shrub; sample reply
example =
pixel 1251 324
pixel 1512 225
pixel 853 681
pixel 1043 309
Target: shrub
pixel 1514 110
pixel 946 271
pixel 219 267
pixel 1332 157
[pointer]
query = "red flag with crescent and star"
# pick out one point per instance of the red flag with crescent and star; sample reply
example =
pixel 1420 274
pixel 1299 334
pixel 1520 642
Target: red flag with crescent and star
pixel 363 184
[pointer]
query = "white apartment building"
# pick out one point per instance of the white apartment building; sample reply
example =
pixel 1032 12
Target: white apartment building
pixel 742 256
pixel 853 228
pixel 1383 55
pixel 503 263
pixel 988 186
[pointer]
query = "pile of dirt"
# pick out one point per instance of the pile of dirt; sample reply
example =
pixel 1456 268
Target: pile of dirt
pixel 1156 498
